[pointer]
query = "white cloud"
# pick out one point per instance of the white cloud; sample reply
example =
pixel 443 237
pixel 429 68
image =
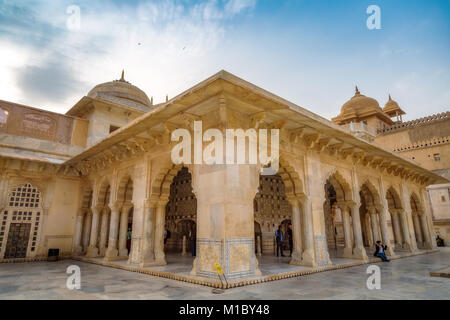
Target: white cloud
pixel 164 46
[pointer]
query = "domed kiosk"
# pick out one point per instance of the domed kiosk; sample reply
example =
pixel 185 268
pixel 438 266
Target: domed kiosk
pixel 362 109
pixel 121 91
pixel 392 109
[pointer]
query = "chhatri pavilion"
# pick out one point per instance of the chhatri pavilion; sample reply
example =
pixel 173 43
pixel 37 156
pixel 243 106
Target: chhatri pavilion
pixel 99 184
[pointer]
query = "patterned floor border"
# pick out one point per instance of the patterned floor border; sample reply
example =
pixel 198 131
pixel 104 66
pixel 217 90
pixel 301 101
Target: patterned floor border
pixel 249 281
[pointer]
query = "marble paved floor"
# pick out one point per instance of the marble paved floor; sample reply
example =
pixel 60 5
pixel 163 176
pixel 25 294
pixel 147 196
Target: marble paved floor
pixel 406 278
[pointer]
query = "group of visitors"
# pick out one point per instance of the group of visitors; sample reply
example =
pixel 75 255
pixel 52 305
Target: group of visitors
pixel 281 238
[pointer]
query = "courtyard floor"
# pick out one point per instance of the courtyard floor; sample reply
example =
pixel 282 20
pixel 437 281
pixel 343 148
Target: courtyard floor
pixel 406 278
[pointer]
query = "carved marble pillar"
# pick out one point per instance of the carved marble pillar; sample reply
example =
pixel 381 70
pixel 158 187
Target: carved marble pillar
pixel 258 246
pixel 160 258
pixel 104 232
pixel 183 246
pixel 93 242
pixel 123 251
pixel 406 234
pixel 296 232
pixel 385 230
pixel 348 247
pixel 308 256
pixel 76 247
pixel 148 253
pixel 87 229
pixel 418 229
pixel 427 243
pixel 374 222
pixel 359 252
pixel 112 252
pixel 396 226
pixel 368 225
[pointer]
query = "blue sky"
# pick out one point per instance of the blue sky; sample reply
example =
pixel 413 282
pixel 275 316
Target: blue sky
pixel 311 52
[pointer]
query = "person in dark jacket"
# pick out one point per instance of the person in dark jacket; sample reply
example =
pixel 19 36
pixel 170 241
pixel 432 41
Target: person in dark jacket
pixel 279 236
pixel 380 251
pixel 291 239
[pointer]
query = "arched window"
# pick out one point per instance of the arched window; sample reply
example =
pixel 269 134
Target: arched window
pixel 20 222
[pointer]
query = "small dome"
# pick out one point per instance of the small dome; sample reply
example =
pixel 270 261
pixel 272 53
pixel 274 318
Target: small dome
pixel 392 108
pixel 121 91
pixel 359 105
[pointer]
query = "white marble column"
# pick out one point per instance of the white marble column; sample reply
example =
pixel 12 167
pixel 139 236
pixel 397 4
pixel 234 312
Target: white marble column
pixel 258 246
pixel 348 247
pixel 385 230
pixel 160 258
pixel 93 242
pixel 112 252
pixel 148 249
pixel 359 251
pixel 368 225
pixel 406 234
pixel 87 229
pixel 184 246
pixel 374 222
pixel 425 231
pixel 296 232
pixel 308 255
pixel 104 232
pixel 77 248
pixel 397 231
pixel 418 229
pixel 123 251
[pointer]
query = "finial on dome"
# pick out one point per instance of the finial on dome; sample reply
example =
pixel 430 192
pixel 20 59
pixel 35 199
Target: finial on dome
pixel 122 78
pixel 167 97
pixel 356 90
pixel 151 101
pixel 390 99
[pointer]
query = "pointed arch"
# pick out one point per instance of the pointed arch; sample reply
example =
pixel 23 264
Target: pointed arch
pixel 416 206
pixel 125 189
pixel 370 193
pixel 292 183
pixel 393 198
pixel 104 192
pixel 341 186
pixel 87 197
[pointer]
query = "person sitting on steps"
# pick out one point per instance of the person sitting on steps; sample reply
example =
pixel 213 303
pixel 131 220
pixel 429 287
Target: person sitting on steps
pixel 380 250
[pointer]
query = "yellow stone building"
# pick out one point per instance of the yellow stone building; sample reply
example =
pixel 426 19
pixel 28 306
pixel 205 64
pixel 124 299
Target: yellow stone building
pixel 98 183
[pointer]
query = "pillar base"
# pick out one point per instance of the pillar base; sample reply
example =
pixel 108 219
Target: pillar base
pixel 101 252
pixel 360 253
pixel 308 258
pixel 390 252
pixel 194 268
pixel 258 272
pixel 111 254
pixel 92 252
pixel 123 252
pixel 77 250
pixel 296 259
pixel 160 260
pixel 408 247
pixel 347 253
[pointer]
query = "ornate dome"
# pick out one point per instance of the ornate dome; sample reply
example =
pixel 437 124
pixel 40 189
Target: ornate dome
pixel 359 105
pixel 392 108
pixel 121 91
